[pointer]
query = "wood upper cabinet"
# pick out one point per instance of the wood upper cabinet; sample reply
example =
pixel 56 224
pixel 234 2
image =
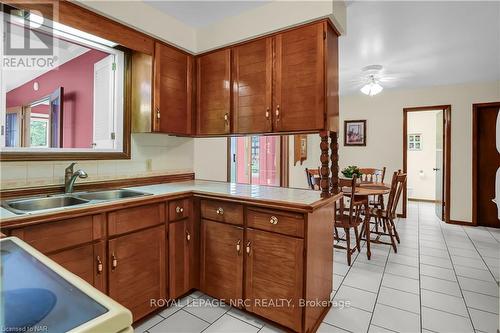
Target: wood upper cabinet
pixel 181 244
pixel 252 86
pixel 213 92
pixel 273 271
pixel 86 261
pixel 221 259
pixel 137 269
pixel 299 83
pixel 172 91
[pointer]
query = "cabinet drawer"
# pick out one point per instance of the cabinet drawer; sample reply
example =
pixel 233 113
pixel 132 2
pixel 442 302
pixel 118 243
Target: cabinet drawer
pixel 276 221
pixel 130 219
pixel 222 211
pixel 179 209
pixel 55 236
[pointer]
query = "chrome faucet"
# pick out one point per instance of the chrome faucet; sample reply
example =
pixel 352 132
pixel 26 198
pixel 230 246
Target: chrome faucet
pixel 70 177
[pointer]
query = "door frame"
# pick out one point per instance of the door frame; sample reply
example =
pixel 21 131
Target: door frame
pixel 475 109
pixel 446 155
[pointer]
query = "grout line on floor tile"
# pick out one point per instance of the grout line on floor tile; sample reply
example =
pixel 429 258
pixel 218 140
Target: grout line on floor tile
pixel 246 322
pixel 456 276
pixel 482 310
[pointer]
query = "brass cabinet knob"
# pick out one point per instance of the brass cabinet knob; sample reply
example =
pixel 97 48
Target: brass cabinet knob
pixel 188 236
pixel 226 118
pixel 277 112
pixel 99 265
pixel 273 220
pixel 238 246
pixel 179 210
pixel 248 248
pixel 220 211
pixel 267 113
pixel 114 261
pixel 157 113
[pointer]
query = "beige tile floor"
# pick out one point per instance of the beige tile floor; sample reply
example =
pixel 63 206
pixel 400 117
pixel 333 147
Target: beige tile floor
pixel 444 278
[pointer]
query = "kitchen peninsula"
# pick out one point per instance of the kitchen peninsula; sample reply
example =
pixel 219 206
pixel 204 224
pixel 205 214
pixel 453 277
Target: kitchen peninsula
pixel 232 241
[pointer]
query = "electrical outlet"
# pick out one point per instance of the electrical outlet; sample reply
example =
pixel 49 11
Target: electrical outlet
pixel 149 164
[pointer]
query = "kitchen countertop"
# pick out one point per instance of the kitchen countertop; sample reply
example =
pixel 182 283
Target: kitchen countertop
pixel 303 199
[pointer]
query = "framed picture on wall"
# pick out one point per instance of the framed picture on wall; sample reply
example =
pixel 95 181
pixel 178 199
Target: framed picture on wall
pixel 414 141
pixel 355 133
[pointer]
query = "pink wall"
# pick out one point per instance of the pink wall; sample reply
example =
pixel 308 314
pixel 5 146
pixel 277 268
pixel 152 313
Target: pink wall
pixel 77 78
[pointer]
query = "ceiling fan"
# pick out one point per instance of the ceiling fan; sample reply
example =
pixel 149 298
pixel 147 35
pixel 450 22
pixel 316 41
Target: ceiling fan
pixel 372 79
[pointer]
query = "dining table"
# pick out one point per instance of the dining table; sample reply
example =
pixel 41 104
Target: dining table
pixel 362 192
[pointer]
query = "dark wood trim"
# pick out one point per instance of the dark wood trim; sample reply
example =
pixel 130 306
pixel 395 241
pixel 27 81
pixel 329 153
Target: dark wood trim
pixel 345 133
pixel 107 184
pixel 446 154
pixel 475 110
pixel 470 224
pixel 89 155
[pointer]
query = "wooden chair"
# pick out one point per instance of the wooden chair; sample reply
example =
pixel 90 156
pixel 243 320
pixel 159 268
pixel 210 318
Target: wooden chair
pixel 374 175
pixel 349 217
pixel 388 215
pixel 311 174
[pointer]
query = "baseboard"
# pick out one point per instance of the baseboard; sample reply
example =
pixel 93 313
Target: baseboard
pixel 461 223
pixel 423 200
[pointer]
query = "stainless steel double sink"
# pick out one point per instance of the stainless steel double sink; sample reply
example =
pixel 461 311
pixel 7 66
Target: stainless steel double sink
pixel 33 204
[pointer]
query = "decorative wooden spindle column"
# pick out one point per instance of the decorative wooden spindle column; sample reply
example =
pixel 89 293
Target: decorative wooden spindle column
pixel 324 183
pixel 334 156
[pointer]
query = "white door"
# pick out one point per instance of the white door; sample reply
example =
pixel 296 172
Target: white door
pixel 104 93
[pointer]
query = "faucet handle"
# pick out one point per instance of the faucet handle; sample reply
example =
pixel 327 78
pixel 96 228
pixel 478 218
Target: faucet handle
pixel 70 167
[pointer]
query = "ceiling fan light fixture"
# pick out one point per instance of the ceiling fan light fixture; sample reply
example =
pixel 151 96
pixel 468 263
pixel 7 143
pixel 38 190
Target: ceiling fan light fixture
pixel 372 88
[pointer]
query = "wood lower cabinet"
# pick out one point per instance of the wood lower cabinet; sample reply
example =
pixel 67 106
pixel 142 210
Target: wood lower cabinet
pixel 214 92
pixel 173 90
pixel 136 266
pixel 252 87
pixel 86 261
pixel 182 257
pixel 299 91
pixel 221 259
pixel 274 272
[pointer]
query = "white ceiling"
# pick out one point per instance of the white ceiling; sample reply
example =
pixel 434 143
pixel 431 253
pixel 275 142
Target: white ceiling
pixel 420 44
pixel 203 13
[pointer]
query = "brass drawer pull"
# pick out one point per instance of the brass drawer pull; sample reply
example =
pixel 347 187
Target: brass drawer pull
pixel 179 210
pixel 238 246
pixel 188 236
pixel 267 113
pixel 114 261
pixel 248 248
pixel 157 113
pixel 99 265
pixel 277 112
pixel 226 118
pixel 220 211
pixel 273 220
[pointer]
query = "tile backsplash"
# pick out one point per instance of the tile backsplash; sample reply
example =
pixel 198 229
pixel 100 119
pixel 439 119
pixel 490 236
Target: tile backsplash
pixel 164 154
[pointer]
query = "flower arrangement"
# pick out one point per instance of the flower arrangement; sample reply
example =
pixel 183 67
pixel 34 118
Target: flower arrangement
pixel 351 171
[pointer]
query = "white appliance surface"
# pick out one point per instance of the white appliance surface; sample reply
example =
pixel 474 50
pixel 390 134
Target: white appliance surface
pixel 37 293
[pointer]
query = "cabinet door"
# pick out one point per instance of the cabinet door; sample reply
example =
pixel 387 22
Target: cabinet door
pixel 274 267
pixel 181 245
pixel 252 86
pixel 213 93
pixel 221 260
pixel 173 90
pixel 137 264
pixel 87 261
pixel 299 91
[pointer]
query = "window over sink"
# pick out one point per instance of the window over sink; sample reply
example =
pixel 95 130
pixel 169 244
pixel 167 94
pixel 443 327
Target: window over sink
pixel 63 90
